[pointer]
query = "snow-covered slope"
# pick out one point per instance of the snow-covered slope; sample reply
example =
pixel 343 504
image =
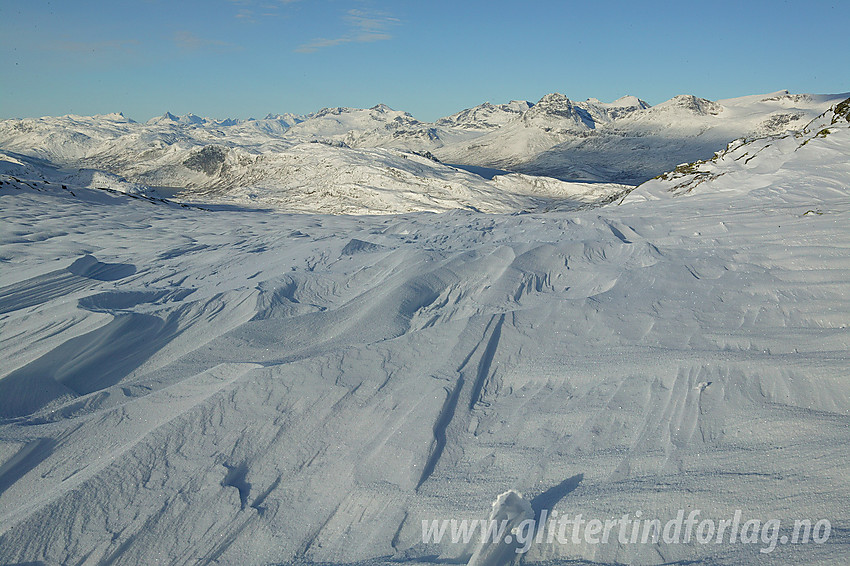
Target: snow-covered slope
pixel 237 386
pixel 815 158
pixel 322 178
pixel 315 177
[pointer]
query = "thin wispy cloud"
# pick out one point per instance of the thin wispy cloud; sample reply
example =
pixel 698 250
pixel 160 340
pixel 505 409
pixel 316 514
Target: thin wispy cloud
pixel 250 10
pixel 188 41
pixel 363 27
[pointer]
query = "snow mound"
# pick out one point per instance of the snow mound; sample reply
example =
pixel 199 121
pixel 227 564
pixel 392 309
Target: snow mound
pixel 510 510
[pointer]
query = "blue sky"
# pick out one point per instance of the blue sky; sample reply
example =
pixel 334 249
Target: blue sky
pixel 242 58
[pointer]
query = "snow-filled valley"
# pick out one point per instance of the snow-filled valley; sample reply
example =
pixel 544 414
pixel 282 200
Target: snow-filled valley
pixel 212 380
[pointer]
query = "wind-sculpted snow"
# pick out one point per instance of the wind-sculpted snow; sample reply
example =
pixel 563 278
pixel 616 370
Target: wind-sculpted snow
pixel 233 386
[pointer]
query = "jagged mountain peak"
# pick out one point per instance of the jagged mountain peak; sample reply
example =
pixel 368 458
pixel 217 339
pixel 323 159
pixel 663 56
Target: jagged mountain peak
pixel 619 108
pixel 519 105
pixel 553 104
pixel 377 110
pixel 117 117
pixel 330 111
pixel 193 119
pixel 693 104
pixel 486 116
pixel 628 101
pixel 286 117
pixel 168 117
pixel 553 98
pixel 381 107
pixel 557 112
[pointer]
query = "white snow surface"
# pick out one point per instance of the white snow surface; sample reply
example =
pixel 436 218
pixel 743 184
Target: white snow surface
pixel 239 386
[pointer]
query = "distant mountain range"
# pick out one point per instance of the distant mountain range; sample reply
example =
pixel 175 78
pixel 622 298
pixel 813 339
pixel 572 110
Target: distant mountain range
pixel 393 161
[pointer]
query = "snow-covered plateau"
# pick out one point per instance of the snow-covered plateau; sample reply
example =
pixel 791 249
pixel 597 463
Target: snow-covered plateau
pixel 211 379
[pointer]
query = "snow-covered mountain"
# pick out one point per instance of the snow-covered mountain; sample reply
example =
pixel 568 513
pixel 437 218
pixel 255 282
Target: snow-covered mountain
pixel 298 164
pixel 628 141
pixel 486 116
pixel 238 386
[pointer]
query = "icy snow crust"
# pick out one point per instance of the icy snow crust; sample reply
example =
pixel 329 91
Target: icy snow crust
pixel 232 386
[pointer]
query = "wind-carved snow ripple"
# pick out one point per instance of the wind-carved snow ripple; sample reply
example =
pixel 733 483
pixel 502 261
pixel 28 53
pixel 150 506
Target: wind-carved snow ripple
pixel 83 273
pixel 95 360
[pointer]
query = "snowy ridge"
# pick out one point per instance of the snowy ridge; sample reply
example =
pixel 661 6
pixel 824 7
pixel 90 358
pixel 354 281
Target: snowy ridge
pixel 486 116
pixel 321 178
